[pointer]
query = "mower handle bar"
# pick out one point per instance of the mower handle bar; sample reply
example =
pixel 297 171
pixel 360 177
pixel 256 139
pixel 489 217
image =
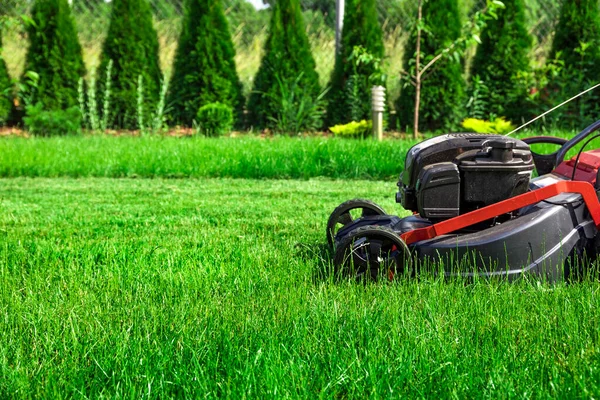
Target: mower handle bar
pixel 560 156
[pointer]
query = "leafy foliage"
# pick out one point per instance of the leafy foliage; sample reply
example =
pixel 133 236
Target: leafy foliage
pixel 501 63
pixel 354 129
pixel 132 45
pixel 215 119
pixel 54 56
pixel 443 92
pixel 351 78
pixel 204 69
pixel 575 63
pixel 41 122
pixel 296 111
pixel 287 57
pixel 499 125
pixel 5 88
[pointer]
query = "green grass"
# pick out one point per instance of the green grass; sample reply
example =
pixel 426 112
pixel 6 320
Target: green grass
pixel 213 287
pixel 248 157
pixel 241 157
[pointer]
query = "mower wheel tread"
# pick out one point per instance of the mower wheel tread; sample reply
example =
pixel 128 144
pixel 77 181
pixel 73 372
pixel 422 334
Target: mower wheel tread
pixel 346 207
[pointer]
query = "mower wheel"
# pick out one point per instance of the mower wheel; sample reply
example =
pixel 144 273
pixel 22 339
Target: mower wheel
pixel 341 216
pixel 371 252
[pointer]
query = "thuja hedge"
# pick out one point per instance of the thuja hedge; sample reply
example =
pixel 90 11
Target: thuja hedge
pixel 204 70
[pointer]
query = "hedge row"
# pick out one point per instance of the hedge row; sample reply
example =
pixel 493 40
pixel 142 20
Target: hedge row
pixel 286 93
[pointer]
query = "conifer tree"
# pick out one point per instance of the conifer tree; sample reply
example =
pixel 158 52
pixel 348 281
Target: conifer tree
pixel 132 46
pixel 287 61
pixel 349 93
pixel 443 92
pixel 576 48
pixel 204 70
pixel 501 63
pixel 54 55
pixel 5 89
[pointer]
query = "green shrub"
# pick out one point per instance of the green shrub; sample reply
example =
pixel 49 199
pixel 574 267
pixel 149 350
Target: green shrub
pixel 215 119
pixel 5 89
pixel 353 129
pixel 287 57
pixel 443 92
pixel 502 64
pixel 204 66
pixel 132 45
pixel 499 125
pixel 575 64
pixel 40 122
pixel 350 86
pixel 296 111
pixel 54 56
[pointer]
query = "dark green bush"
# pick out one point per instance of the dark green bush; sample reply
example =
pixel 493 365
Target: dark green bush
pixel 5 89
pixel 575 64
pixel 54 56
pixel 350 86
pixel 40 122
pixel 132 45
pixel 502 63
pixel 215 119
pixel 443 91
pixel 204 70
pixel 287 57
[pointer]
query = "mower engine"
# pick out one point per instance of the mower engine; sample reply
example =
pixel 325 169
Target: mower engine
pixel 454 174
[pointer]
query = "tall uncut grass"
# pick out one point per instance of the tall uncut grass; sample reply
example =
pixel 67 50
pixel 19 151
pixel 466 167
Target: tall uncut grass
pixel 247 157
pixel 159 156
pixel 214 287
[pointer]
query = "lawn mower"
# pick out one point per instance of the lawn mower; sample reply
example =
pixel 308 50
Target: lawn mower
pixel 477 211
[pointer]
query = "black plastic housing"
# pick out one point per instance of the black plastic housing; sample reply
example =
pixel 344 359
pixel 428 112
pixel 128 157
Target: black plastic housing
pixel 438 194
pixel 456 173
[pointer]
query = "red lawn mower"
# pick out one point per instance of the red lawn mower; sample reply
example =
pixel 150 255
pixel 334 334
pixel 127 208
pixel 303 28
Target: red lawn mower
pixel 477 211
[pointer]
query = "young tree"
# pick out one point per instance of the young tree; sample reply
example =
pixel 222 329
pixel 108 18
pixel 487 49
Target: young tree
pixel 445 84
pixel 132 45
pixel 5 88
pixel 54 56
pixel 204 69
pixel 501 64
pixel 575 56
pixel 287 70
pixel 350 89
pixel 436 105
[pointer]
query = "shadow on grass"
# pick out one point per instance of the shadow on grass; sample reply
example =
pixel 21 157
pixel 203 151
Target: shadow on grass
pixel 319 254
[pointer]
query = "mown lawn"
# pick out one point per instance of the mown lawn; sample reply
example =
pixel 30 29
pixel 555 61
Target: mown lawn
pixel 215 287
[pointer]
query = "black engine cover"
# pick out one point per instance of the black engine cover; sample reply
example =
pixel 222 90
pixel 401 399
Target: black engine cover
pixel 457 173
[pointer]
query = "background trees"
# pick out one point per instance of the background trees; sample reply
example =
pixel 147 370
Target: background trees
pixel 350 85
pixel 501 66
pixel 204 67
pixel 5 88
pixel 132 46
pixel 54 62
pixel 443 95
pixel 575 63
pixel 287 70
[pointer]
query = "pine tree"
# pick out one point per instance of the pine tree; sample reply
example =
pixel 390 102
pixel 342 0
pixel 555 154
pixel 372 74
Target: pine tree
pixel 54 55
pixel 204 70
pixel 576 48
pixel 132 46
pixel 5 89
pixel 443 90
pixel 501 63
pixel 287 61
pixel 349 92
